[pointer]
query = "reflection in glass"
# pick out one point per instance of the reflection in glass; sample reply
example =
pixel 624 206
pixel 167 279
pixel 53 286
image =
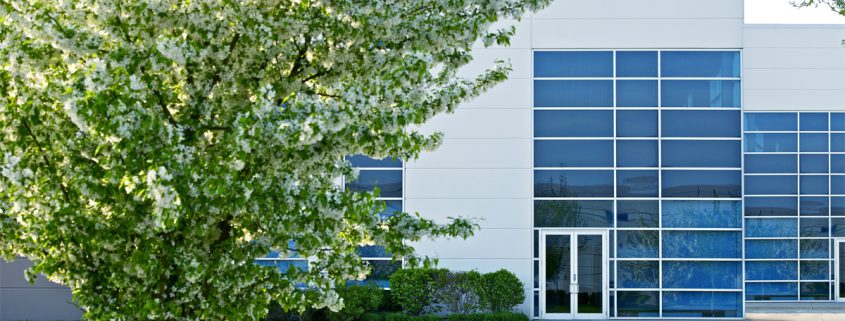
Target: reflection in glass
pixel 638 303
pixel 637 244
pixel 389 182
pixel 837 184
pixel 636 93
pixel 700 123
pixel 365 161
pixel 701 153
pixel 702 304
pixel 771 227
pixel 700 93
pixel 702 275
pixel 710 183
pixel 722 64
pixel 638 274
pixel 573 93
pixel 771 249
pixel 771 143
pixel 841 270
pixel 815 291
pixel 815 270
pixel 815 249
pixel 814 185
pixel 590 277
pixel 771 121
pixel 837 227
pixel 637 213
pixel 767 163
pixel 636 183
pixel 573 183
pixel 636 153
pixel 813 142
pixel 771 270
pixel 573 123
pixel 702 214
pixel 573 153
pixel 814 163
pixel 780 291
pixel 813 227
pixel 771 185
pixel 814 206
pixel 573 64
pixel 702 244
pixel 771 206
pixel 580 213
pixel 837 206
pixel 636 123
pixel 558 273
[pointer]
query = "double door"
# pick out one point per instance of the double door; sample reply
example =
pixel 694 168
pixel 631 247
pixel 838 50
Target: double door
pixel 574 274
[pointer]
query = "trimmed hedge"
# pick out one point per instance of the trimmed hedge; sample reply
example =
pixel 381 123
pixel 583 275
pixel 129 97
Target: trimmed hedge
pixel 421 290
pixel 498 316
pixel 357 300
pixel 502 291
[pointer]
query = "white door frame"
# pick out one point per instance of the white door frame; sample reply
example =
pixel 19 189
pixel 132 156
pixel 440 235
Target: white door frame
pixel 837 277
pixel 573 233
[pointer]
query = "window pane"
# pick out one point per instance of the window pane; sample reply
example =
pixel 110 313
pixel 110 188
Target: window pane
pixel 702 275
pixel 701 244
pixel 391 207
pixel 573 153
pixel 700 93
pixel 814 206
pixel 771 163
pixel 389 182
pixel 814 185
pixel 558 213
pixel 680 183
pixel 637 244
pixel 815 291
pixel 815 270
pixel 814 163
pixel 702 214
pixel 837 206
pixel 636 93
pixel 372 251
pixel 636 153
pixel 573 64
pixel 702 304
pixel 837 184
pixel 700 123
pixel 637 214
pixel 771 270
pixel 837 121
pixel 837 143
pixel 573 93
pixel 771 185
pixel 636 64
pixel 813 121
pixel 771 227
pixel 638 274
pixel 771 291
pixel 837 163
pixel 771 121
pixel 699 64
pixel 771 206
pixel 638 304
pixel 636 123
pixel 365 161
pixel 701 153
pixel 814 227
pixel 837 227
pixel 815 249
pixel 380 274
pixel 813 142
pixel 771 143
pixel 771 249
pixel 636 183
pixel 573 123
pixel 284 265
pixel 573 183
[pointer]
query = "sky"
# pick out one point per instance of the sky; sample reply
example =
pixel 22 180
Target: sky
pixel 781 11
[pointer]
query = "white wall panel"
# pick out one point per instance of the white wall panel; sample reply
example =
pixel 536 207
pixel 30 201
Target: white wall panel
pixel 478 153
pixel 487 244
pixel 794 36
pixel 615 9
pixel 637 33
pixel 484 59
pixel 37 304
pixel 520 39
pixel 467 183
pixel 482 123
pixel 490 213
pixel 800 58
pixel 795 100
pixel 794 79
pixel 511 93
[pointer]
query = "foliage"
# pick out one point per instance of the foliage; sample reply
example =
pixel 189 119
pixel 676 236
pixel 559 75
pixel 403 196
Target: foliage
pixel 837 6
pixel 459 292
pixel 356 301
pixel 496 316
pixel 151 150
pixel 406 317
pixel 503 291
pixel 412 288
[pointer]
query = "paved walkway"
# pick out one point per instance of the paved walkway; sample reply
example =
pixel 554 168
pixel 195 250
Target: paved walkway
pixel 795 316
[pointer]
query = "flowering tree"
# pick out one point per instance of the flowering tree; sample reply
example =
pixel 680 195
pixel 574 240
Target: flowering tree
pixel 152 149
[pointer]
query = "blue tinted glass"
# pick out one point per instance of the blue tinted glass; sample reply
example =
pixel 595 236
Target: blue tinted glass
pixel 636 64
pixel 572 183
pixel 814 185
pixel 573 93
pixel 771 163
pixel 813 227
pixel 365 161
pixel 771 121
pixel 814 206
pixel 682 183
pixel 814 163
pixel 771 143
pixel 771 227
pixel 573 123
pixel 813 142
pixel 389 182
pixel 771 249
pixel 637 214
pixel 372 251
pixel 813 121
pixel 636 153
pixel 380 274
pixel 702 214
pixel 771 185
pixel 702 304
pixel 837 227
pixel 771 291
pixel 638 274
pixel 702 275
pixel 558 213
pixel 699 64
pixel 701 244
pixel 638 303
pixel 771 270
pixel 837 143
pixel 837 121
pixel 637 244
pixel 837 184
pixel 701 153
pixel 636 183
pixel 636 123
pixel 771 206
pixel 837 163
pixel 815 291
pixel 815 270
pixel 284 265
pixel 815 249
pixel 573 64
pixel 700 93
pixel 573 153
pixel 391 208
pixel 636 93
pixel 837 206
pixel 700 123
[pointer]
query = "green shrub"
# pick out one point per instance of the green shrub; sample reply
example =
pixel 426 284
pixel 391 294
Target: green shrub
pixel 388 303
pixel 502 291
pixel 395 316
pixel 276 313
pixel 372 316
pixel 357 300
pixel 460 292
pixel 497 316
pixel 412 289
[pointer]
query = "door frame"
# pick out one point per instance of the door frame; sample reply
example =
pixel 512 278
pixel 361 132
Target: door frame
pixel 573 233
pixel 837 277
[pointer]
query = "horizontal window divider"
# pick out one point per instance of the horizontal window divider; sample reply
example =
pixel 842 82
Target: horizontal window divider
pixel 699 108
pixel 770 195
pixel 572 108
pixel 777 259
pixel 751 238
pixel 280 259
pixel 378 168
pixel 636 289
pixel 715 229
pixel 770 132
pixel 701 138
pixel 389 198
pixel 769 216
pixel 702 198
pixel 767 281
pixel 701 168
pixel 771 153
pixel 701 259
pixel 574 198
pixel 575 78
pixel 769 174
pixel 665 289
pixel 636 259
pixel 573 168
pixel 607 138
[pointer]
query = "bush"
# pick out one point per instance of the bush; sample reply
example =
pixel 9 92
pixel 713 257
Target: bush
pixel 357 300
pixel 276 313
pixel 498 316
pixel 460 292
pixel 412 289
pixel 405 317
pixel 502 291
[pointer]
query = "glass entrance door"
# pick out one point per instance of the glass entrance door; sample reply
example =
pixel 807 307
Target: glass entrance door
pixel 574 274
pixel 839 255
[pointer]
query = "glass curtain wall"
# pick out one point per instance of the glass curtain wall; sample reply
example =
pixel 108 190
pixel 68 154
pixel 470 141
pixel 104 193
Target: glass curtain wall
pixel 794 203
pixel 646 144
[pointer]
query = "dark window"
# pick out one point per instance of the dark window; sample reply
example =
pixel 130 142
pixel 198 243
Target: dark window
pixel 711 183
pixel 701 275
pixel 573 183
pixel 637 244
pixel 771 163
pixel 637 183
pixel 700 123
pixel 724 64
pixel 771 270
pixel 815 270
pixel 813 121
pixel 389 182
pixel 637 213
pixel 814 227
pixel 573 123
pixel 701 153
pixel 573 64
pixel 815 291
pixel 767 291
pixel 814 185
pixel 837 227
pixel 638 303
pixel 636 93
pixel 702 244
pixel 815 249
pixel 366 161
pixel 636 64
pixel 771 206
pixel 702 214
pixel 771 143
pixel 638 274
pixel 573 153
pixel 771 249
pixel 771 121
pixel 581 213
pixel 573 93
pixel 813 142
pixel 771 185
pixel 702 304
pixel 771 227
pixel 814 206
pixel 636 123
pixel 636 153
pixel 700 93
pixel 814 163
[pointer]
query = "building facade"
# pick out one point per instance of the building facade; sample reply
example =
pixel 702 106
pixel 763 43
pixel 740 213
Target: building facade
pixel 645 159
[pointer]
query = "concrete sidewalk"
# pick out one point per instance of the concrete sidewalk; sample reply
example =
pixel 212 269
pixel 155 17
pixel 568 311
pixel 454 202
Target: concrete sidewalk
pixel 795 316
